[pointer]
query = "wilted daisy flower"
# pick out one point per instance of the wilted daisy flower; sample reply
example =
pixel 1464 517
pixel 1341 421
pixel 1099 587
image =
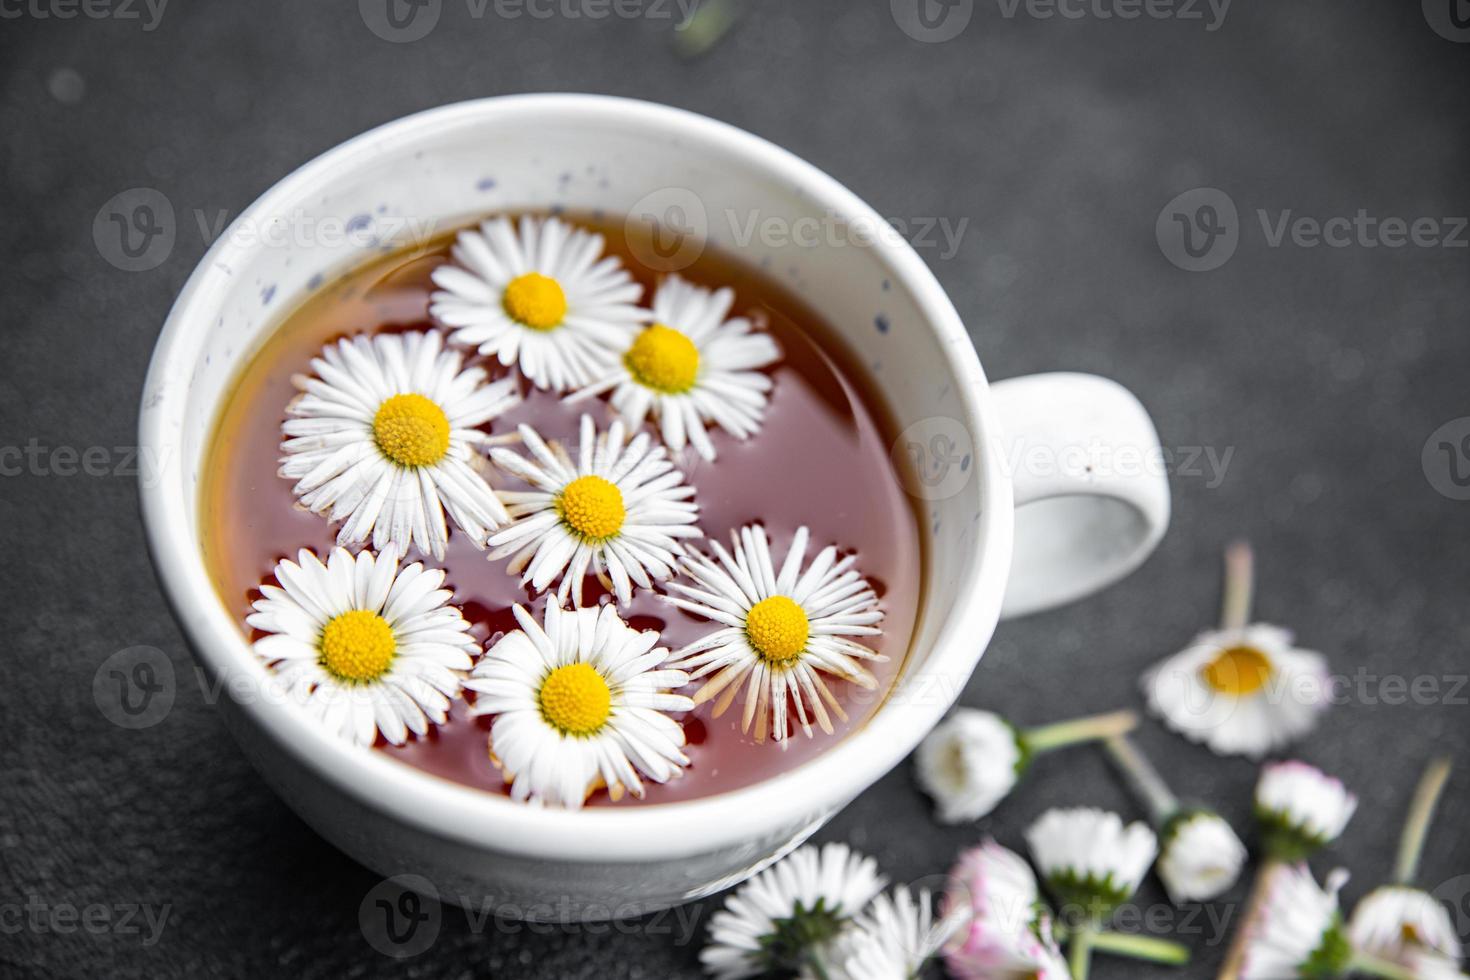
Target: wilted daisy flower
pixel 780 920
pixel 779 631
pixel 364 645
pixel 1200 856
pixel 1242 689
pixel 1301 809
pixel 1395 921
pixel 385 438
pixel 546 300
pixel 973 759
pixel 690 367
pixel 1090 861
pixel 1298 930
pixel 892 939
pixel 618 510
pixel 579 704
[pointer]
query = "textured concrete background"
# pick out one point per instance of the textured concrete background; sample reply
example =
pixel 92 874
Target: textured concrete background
pixel 1323 371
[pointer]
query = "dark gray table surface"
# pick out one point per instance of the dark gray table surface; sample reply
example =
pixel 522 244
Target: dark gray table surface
pixel 1321 370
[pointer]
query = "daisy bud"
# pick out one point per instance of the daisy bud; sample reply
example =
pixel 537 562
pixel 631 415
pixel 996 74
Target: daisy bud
pixel 1089 859
pixel 1300 809
pixel 1242 689
pixel 1298 931
pixel 973 759
pixel 1009 931
pixel 1200 856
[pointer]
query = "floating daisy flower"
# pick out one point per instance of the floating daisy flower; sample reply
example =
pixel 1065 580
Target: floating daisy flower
pixel 385 438
pixel 1200 856
pixel 1298 932
pixel 1242 689
pixel 578 704
pixel 973 759
pixel 781 919
pixel 364 645
pixel 690 367
pixel 1301 809
pixel 1399 923
pixel 546 300
pixel 618 510
pixel 779 632
pixel 894 938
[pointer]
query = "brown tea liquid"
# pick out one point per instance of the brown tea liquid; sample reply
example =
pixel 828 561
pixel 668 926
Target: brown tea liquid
pixel 821 459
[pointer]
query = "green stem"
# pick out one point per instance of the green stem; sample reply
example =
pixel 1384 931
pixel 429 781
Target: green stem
pixel 1235 606
pixel 1079 951
pixel 1143 778
pixel 1374 967
pixel 1416 825
pixel 1141 948
pixel 1090 729
pixel 1235 957
pixel 816 966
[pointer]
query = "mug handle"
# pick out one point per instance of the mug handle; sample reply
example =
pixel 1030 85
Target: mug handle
pixel 1090 484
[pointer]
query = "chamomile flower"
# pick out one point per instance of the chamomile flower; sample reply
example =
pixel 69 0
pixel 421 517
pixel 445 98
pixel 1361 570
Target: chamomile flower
pixel 1200 856
pixel 580 703
pixel 545 300
pixel 385 438
pixel 973 759
pixel 1396 921
pixel 1242 689
pixel 1298 931
pixel 780 632
pixel 619 510
pixel 1301 808
pixel 1090 861
pixel 892 939
pixel 781 919
pixel 365 645
pixel 691 367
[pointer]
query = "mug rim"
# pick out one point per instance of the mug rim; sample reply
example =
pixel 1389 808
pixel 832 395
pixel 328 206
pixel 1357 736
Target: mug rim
pixel 802 795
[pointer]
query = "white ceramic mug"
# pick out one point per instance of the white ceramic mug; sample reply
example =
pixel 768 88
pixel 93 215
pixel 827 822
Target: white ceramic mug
pixel 1079 457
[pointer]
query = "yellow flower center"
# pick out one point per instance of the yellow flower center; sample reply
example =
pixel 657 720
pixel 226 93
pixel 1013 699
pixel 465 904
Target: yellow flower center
pixel 358 646
pixel 576 699
pixel 411 430
pixel 535 301
pixel 777 628
pixel 592 507
pixel 663 359
pixel 1238 671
